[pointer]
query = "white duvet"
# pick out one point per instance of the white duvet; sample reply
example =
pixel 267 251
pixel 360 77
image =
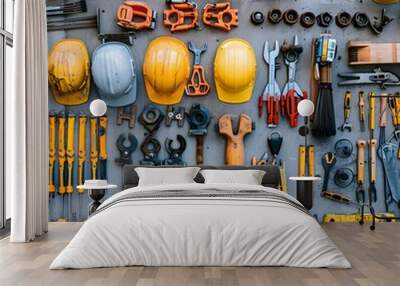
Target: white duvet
pixel 204 231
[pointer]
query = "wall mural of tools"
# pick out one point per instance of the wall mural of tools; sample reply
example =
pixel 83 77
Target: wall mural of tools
pixel 187 82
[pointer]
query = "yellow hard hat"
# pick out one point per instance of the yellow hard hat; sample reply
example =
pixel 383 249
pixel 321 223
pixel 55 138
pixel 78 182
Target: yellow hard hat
pixel 68 68
pixel 166 70
pixel 235 69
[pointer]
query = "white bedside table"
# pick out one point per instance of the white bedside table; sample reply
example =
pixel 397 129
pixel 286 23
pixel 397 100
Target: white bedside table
pixel 97 189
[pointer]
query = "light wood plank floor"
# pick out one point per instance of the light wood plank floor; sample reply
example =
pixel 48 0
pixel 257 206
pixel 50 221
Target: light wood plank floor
pixel 375 257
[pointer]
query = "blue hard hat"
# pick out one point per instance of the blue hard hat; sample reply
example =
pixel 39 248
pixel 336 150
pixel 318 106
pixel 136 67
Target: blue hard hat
pixel 113 71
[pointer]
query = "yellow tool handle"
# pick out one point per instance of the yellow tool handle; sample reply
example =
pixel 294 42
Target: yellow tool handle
pixel 311 161
pixel 70 151
pixel 71 138
pixel 82 136
pixel 372 111
pixel 355 218
pixel 80 176
pixel 81 150
pixel 361 161
pixel 103 138
pixel 253 161
pixel 61 152
pixel 283 183
pixel 392 105
pixel 52 151
pixel 51 187
pixel 52 136
pixel 69 188
pixel 302 160
pixel 61 188
pixel 347 104
pixel 397 105
pixel 372 149
pixel 93 146
pixel 61 137
pixel 361 106
pixel 383 113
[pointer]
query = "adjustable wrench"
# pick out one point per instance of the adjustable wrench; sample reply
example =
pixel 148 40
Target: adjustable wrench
pixel 292 93
pixel 272 91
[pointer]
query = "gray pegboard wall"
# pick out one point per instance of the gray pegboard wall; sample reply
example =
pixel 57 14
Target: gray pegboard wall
pixel 256 35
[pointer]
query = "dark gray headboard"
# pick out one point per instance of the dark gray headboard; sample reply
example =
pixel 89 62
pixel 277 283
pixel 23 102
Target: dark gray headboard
pixel 271 179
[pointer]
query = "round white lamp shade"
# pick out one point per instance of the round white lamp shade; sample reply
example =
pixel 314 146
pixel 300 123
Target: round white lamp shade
pixel 305 108
pixel 98 107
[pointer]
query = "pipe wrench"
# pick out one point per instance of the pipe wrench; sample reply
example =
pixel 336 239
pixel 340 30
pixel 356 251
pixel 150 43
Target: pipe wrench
pixel 292 93
pixel 272 91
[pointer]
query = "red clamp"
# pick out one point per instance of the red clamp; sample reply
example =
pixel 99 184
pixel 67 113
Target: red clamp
pixel 221 16
pixel 136 16
pixel 289 106
pixel 181 17
pixel 273 111
pixel 272 106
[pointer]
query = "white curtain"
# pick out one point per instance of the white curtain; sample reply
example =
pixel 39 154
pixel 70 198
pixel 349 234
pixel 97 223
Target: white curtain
pixel 27 124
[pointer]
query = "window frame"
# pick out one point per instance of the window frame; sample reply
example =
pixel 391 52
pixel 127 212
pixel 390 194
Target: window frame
pixel 6 39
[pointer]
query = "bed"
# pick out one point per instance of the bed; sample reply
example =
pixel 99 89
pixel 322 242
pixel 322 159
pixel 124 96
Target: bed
pixel 199 224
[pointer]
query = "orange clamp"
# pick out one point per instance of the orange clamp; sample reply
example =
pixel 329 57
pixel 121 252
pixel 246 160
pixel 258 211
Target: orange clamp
pixel 198 85
pixel 221 16
pixel 181 17
pixel 136 16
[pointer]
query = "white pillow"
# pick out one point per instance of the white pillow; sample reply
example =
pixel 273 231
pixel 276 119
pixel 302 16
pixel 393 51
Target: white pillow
pixel 247 177
pixel 166 176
